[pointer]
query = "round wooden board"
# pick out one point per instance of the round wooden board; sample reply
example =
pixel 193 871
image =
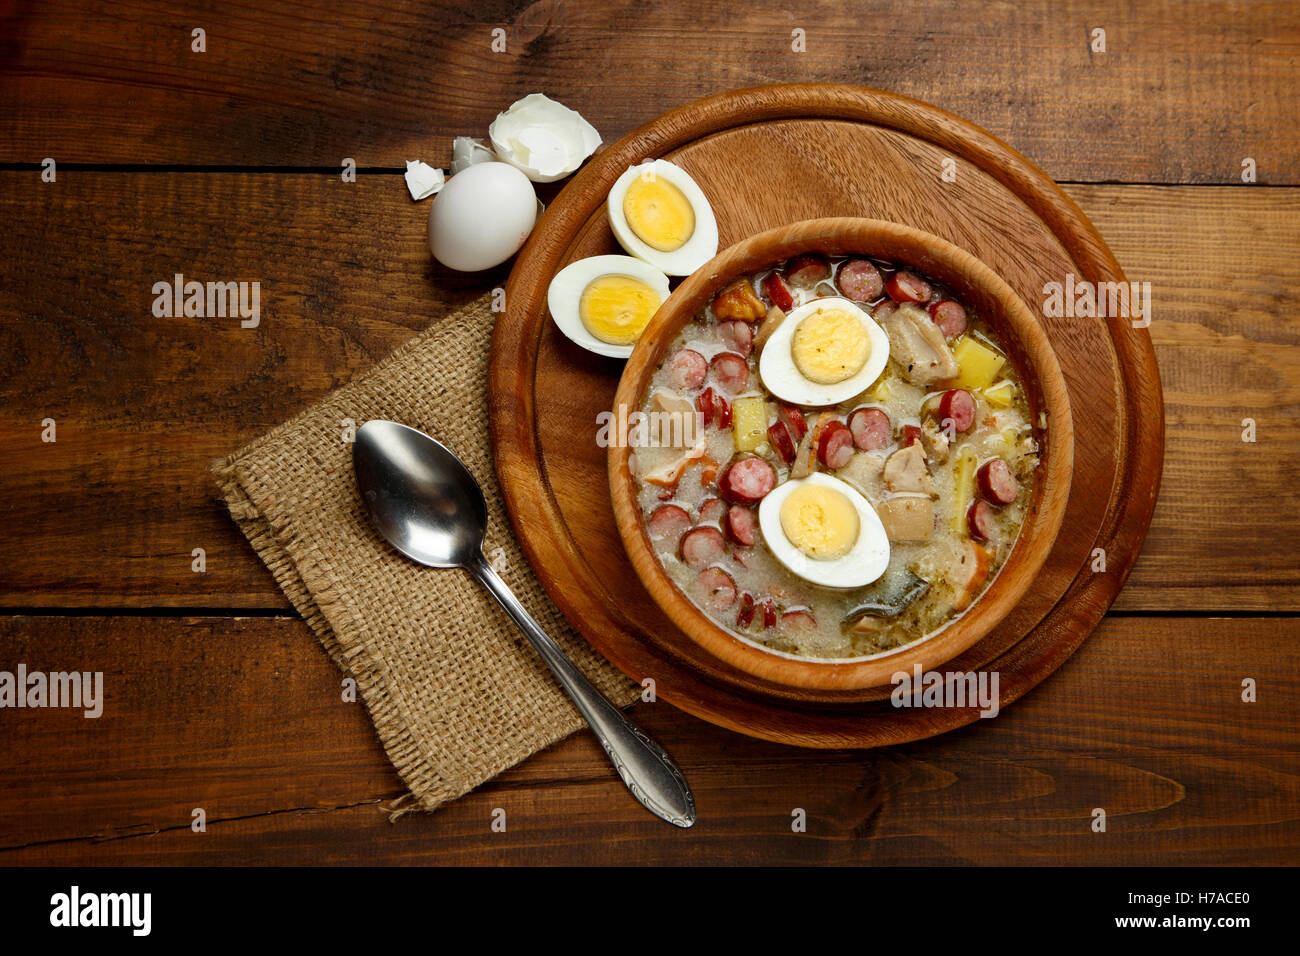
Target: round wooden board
pixel 772 155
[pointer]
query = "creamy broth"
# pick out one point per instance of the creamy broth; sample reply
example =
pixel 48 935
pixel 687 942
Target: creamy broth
pixel 942 573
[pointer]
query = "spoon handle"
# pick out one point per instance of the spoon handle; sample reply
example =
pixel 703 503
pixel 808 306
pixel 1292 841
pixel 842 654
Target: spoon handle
pixel 645 767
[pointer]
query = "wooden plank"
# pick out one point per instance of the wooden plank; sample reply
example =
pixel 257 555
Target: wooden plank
pixel 1224 268
pixel 243 718
pixel 142 403
pixel 1183 92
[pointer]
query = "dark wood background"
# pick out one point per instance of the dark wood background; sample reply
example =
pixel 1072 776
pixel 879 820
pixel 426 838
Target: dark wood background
pixel 225 165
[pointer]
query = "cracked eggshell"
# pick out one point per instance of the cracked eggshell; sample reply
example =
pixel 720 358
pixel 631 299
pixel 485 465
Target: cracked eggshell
pixel 544 139
pixel 466 152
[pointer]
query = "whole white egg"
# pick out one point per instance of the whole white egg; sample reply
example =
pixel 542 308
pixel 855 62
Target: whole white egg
pixel 481 217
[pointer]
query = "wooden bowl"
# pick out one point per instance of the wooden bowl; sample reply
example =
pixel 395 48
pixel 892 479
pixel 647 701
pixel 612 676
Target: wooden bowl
pixel 1029 351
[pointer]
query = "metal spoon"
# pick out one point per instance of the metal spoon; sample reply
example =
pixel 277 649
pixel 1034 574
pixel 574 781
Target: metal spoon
pixel 430 508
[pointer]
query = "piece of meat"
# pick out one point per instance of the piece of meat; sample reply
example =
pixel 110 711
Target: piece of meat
pixel 722 411
pixel 996 482
pixel 718 588
pixel 969 574
pixel 687 369
pixel 667 521
pixel 668 473
pixel 979 520
pixel 737 337
pixel 910 435
pixel 793 418
pixel 731 372
pixel 934 441
pixel 775 317
pixel 905 471
pixel 918 345
pixel 769 612
pixel 702 545
pixel 738 301
pixel 950 316
pixel 797 621
pixel 745 616
pixel 957 406
pixel 741 525
pixel 778 436
pixel 904 286
pixel 871 428
pixel 705 404
pixel 747 480
pixel 805 457
pixel 807 269
pixel 775 288
pixel 884 310
pixel 835 445
pixel 711 511
pixel 860 280
pixel 907 517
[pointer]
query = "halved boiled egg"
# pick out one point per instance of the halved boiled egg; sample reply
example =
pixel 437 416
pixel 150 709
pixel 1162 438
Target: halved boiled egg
pixel 603 303
pixel 659 214
pixel 825 352
pixel 825 531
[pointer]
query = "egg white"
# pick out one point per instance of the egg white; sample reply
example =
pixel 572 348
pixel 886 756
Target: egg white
pixel 782 377
pixel 864 563
pixel 697 250
pixel 565 293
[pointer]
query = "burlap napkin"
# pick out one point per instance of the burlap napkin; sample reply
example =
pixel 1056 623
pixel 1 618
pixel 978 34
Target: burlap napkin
pixel 455 691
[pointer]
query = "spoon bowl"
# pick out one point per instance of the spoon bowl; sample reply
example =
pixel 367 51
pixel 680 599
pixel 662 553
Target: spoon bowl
pixel 420 496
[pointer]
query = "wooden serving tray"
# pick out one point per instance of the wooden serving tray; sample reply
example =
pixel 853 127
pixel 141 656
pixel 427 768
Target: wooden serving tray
pixel 768 156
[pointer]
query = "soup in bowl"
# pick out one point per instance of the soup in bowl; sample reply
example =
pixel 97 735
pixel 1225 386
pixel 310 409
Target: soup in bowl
pixel 848 451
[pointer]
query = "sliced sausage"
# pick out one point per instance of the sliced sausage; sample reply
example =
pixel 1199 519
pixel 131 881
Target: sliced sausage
pixel 957 406
pixel 737 337
pixel 860 280
pixel 687 369
pixel 769 612
pixel 911 435
pixel 775 288
pixel 884 310
pixel 731 371
pixel 997 483
pixel 798 621
pixel 722 411
pixel 979 519
pixel 871 428
pixel 950 316
pixel 705 403
pixel 778 436
pixel 718 586
pixel 807 269
pixel 904 286
pixel 793 419
pixel 712 511
pixel 667 521
pixel 742 525
pixel 745 616
pixel 747 480
pixel 702 545
pixel 835 446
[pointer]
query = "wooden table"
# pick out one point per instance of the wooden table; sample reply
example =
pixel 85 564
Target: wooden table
pixel 225 165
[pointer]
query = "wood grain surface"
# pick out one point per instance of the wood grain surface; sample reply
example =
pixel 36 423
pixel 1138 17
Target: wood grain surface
pixel 224 165
pixel 244 718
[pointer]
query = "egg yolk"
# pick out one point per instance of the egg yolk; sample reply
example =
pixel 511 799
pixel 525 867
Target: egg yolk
pixel 830 346
pixel 658 212
pixel 616 309
pixel 819 521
